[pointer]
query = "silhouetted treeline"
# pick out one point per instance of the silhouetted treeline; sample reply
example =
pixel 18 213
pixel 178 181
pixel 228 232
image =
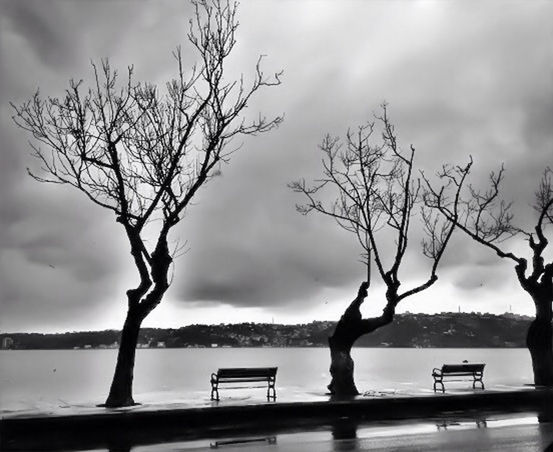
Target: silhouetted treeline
pixel 409 330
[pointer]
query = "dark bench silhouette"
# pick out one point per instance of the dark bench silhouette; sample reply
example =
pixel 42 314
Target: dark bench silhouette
pixel 244 375
pixel 455 372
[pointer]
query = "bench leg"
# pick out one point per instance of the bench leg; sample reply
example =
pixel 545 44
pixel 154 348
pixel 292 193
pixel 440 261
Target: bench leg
pixel 478 380
pixel 271 390
pixel 214 392
pixel 439 382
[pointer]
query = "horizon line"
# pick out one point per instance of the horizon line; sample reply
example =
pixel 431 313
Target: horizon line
pixel 270 323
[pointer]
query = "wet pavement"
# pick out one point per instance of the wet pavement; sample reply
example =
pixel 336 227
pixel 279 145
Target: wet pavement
pixel 498 418
pixel 448 433
pixel 231 397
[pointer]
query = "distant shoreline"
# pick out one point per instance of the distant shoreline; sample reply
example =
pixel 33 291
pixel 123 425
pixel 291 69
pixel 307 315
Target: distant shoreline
pixel 445 330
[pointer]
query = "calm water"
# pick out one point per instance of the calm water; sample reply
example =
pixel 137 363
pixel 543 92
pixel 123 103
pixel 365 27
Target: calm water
pixel 59 378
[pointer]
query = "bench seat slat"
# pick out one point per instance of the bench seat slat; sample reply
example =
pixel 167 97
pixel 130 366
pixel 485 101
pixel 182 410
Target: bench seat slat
pixel 449 368
pixel 220 376
pixel 459 374
pixel 229 388
pixel 244 380
pixel 223 376
pixel 244 375
pixel 246 372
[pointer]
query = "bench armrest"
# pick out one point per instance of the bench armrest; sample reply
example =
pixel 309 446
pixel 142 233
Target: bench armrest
pixel 436 371
pixel 214 377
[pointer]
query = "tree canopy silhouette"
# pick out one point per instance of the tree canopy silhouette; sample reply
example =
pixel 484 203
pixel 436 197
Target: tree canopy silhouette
pixel 370 190
pixel 143 151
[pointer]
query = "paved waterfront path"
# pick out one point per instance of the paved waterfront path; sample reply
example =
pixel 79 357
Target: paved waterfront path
pixel 239 413
pixel 230 397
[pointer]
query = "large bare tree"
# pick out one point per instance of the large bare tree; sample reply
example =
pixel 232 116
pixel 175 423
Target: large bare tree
pixel 370 190
pixel 487 218
pixel 143 152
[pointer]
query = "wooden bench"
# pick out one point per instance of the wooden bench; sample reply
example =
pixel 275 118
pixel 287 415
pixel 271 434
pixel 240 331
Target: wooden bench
pixel 455 372
pixel 244 375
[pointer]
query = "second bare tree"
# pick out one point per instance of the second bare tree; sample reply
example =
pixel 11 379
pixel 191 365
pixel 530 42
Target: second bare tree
pixel 372 192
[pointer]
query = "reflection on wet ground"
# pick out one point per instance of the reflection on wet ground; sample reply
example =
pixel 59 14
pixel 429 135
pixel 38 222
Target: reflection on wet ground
pixel 243 441
pixel 456 431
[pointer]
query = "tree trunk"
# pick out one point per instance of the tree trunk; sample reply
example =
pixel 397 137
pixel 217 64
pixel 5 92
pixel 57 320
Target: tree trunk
pixel 120 393
pixel 539 341
pixel 341 368
pixel 349 328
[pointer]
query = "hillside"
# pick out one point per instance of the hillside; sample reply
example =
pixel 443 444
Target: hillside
pixel 408 330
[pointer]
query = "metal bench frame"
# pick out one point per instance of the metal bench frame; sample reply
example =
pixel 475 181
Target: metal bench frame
pixel 476 371
pixel 244 375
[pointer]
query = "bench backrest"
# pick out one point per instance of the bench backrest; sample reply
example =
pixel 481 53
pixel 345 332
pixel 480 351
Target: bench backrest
pixel 247 372
pixel 455 368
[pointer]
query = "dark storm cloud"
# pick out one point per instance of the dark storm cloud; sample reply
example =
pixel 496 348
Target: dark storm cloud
pixel 476 277
pixel 64 245
pixel 66 33
pixel 40 23
pixel 61 258
pixel 267 273
pixel 259 252
pixel 539 121
pixel 467 89
pixel 71 254
pixel 459 81
pixel 59 272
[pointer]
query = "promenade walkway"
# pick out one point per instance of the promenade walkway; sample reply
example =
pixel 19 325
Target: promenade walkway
pixel 247 413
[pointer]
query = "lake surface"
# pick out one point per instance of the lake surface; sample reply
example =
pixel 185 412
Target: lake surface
pixel 38 379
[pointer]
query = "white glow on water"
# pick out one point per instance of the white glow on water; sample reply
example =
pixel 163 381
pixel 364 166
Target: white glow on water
pixel 55 379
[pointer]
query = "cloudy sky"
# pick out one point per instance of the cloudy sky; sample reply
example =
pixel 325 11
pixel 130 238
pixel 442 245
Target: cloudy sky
pixel 460 78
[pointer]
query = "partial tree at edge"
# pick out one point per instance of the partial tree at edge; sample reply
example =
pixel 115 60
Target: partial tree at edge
pixel 488 219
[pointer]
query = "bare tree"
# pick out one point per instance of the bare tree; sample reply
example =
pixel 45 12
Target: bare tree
pixel 377 196
pixel 144 152
pixel 488 219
